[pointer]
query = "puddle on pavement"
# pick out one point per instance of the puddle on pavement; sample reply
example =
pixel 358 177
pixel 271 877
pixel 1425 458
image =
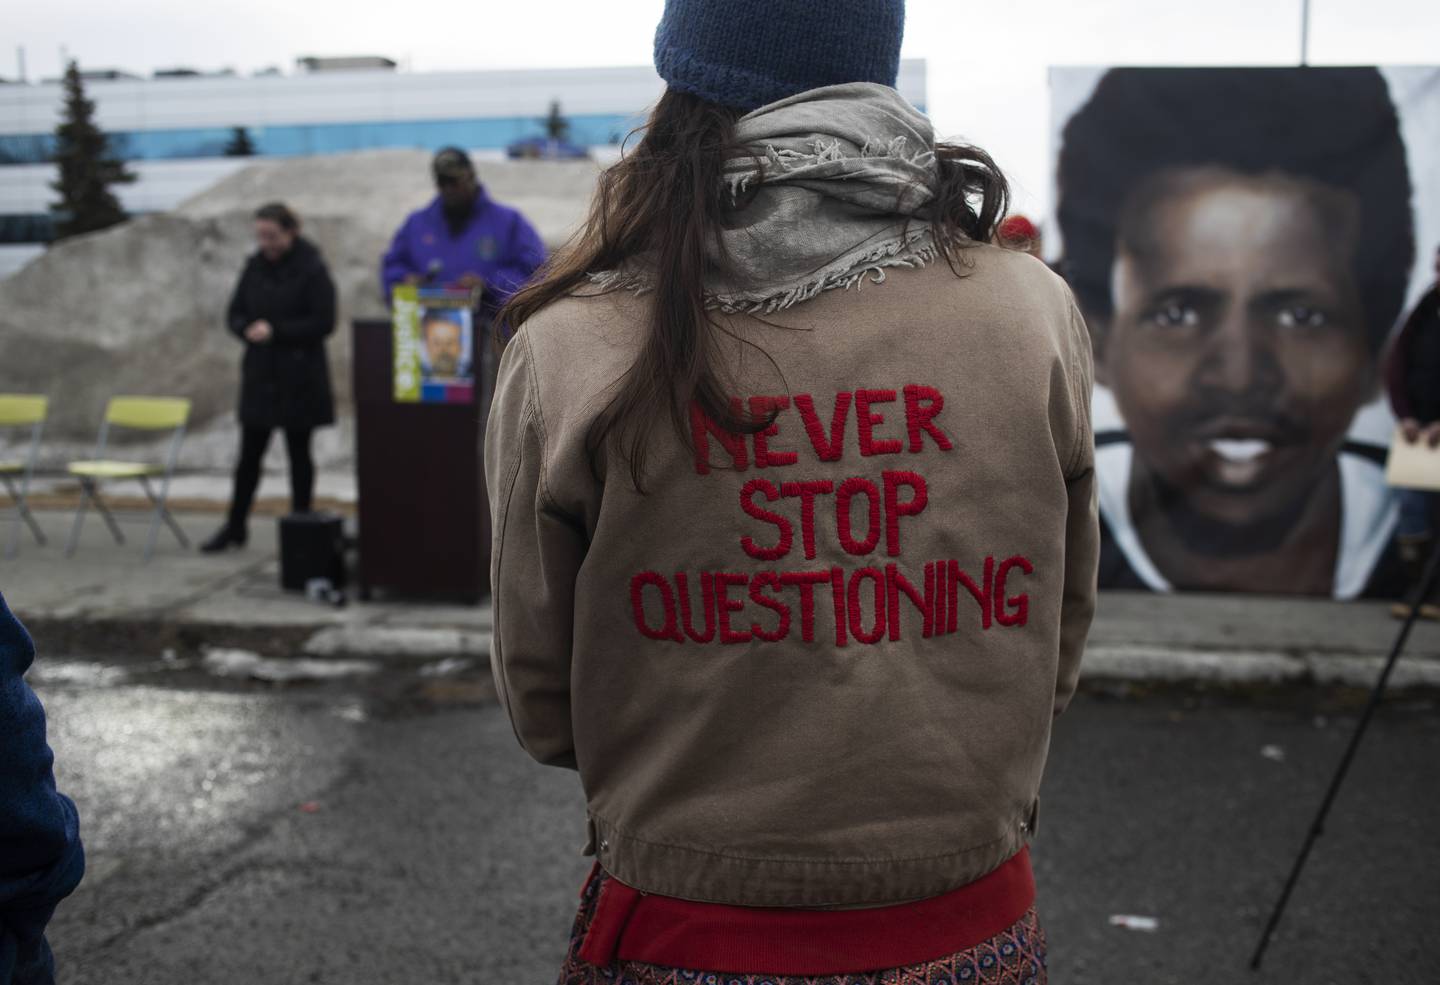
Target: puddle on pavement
pixel 352 690
pixel 79 673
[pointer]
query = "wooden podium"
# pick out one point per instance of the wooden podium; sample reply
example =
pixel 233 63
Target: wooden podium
pixel 424 516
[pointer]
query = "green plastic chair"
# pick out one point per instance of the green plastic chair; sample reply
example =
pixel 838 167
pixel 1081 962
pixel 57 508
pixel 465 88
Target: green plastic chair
pixel 20 410
pixel 141 413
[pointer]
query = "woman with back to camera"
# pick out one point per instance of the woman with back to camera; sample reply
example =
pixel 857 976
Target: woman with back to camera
pixel 795 531
pixel 282 309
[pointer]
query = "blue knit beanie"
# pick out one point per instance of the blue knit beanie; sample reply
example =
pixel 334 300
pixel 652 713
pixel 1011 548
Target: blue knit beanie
pixel 746 53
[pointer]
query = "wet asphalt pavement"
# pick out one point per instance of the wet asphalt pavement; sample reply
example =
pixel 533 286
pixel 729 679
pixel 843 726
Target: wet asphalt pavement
pixel 386 829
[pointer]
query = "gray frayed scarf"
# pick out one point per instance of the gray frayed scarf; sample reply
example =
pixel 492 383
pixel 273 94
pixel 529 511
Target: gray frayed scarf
pixel 837 190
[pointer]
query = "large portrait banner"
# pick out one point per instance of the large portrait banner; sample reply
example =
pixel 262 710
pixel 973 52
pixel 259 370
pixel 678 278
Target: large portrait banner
pixel 1244 245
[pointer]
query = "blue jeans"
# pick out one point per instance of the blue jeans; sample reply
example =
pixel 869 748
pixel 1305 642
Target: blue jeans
pixel 1415 509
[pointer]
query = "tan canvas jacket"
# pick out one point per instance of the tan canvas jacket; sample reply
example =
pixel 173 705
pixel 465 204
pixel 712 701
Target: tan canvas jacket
pixel 815 666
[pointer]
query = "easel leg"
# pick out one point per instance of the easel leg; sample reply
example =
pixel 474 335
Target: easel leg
pixel 1377 693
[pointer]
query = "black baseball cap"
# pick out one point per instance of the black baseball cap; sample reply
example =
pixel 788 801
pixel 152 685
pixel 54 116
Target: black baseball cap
pixel 451 162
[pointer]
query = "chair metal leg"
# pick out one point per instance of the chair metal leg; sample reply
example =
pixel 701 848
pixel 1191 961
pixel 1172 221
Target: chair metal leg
pixel 29 516
pixel 19 495
pixel 79 519
pixel 22 506
pixel 169 517
pixel 115 530
pixel 154 527
pixel 13 548
pixel 174 526
pixel 23 514
pixel 161 513
pixel 12 545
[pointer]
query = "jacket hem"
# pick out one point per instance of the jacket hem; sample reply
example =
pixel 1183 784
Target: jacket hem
pixel 709 876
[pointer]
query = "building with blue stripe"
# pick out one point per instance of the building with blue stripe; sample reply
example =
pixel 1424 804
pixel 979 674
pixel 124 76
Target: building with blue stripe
pixel 183 124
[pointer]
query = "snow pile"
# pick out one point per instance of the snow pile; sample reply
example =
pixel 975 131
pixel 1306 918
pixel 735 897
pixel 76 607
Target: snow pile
pixel 139 308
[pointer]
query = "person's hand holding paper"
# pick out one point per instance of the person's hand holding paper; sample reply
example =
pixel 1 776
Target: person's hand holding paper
pixel 1414 461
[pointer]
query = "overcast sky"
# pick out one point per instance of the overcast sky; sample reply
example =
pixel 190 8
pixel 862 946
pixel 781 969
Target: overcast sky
pixel 987 79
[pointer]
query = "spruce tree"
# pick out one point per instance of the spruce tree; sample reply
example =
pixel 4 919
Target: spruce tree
pixel 87 168
pixel 556 126
pixel 240 144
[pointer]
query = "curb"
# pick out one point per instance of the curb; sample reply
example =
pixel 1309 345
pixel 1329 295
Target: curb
pixel 398 643
pixel 1105 664
pixel 145 639
pixel 1141 663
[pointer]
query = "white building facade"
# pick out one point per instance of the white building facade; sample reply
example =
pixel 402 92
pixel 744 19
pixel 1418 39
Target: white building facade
pixel 174 131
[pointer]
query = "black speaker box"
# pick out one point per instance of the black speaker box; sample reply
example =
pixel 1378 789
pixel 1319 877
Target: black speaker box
pixel 312 545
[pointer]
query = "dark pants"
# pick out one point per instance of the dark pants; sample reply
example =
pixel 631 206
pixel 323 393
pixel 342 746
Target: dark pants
pixel 253 442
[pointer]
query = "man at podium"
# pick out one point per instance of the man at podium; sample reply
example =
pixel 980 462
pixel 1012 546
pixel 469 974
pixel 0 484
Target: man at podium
pixel 463 239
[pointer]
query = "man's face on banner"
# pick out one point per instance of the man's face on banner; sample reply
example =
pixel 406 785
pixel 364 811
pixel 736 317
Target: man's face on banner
pixel 1237 351
pixel 443 346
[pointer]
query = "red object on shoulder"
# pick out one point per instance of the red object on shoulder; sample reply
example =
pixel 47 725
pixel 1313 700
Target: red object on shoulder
pixel 633 926
pixel 1017 227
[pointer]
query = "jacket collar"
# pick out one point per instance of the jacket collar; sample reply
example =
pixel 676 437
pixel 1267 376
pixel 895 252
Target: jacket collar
pixel 300 251
pixel 837 188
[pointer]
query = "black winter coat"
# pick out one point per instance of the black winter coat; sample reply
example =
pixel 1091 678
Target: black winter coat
pixel 1413 373
pixel 285 381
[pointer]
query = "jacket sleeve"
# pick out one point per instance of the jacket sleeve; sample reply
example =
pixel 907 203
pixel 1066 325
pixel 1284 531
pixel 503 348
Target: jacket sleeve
pixel 1082 523
pixel 316 319
pixel 41 859
pixel 536 555
pixel 524 253
pixel 237 318
pixel 1397 366
pixel 397 263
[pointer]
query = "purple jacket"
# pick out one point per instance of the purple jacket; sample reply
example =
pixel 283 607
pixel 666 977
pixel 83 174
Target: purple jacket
pixel 498 244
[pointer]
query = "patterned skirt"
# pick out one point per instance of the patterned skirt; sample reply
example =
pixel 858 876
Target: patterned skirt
pixel 1015 956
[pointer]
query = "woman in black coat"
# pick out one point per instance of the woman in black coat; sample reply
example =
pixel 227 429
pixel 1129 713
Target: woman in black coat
pixel 282 309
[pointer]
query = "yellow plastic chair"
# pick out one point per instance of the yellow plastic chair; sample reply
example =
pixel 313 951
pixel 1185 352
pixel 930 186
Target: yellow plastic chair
pixel 141 413
pixel 19 410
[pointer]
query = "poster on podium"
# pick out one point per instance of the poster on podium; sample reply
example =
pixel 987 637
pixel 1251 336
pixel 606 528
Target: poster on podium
pixel 434 332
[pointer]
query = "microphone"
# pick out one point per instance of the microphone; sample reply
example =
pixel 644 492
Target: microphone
pixel 432 272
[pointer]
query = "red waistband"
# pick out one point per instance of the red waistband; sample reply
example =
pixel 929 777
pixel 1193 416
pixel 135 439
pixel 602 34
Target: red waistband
pixel 675 933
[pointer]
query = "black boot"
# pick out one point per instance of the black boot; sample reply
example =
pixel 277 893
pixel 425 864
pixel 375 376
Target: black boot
pixel 225 538
pixel 1414 552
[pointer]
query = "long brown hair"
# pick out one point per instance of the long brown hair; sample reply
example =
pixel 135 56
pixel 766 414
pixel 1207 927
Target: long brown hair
pixel 665 201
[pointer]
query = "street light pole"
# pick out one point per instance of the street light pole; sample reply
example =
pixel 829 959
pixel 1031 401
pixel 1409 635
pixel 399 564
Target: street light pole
pixel 1304 32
